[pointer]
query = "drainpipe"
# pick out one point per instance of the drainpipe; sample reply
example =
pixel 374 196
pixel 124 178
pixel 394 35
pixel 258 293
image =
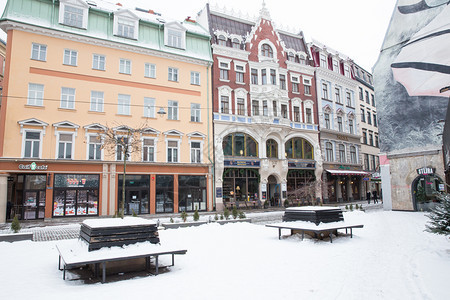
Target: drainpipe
pixel 211 160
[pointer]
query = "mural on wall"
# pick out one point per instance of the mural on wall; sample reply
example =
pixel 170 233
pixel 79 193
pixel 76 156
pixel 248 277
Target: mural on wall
pixel 413 67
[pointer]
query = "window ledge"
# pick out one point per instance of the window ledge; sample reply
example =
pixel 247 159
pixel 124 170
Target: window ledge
pixel 224 80
pixel 67 109
pixel 35 106
pixel 122 115
pixel 96 112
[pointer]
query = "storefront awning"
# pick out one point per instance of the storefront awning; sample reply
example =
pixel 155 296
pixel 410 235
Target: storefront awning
pixel 348 172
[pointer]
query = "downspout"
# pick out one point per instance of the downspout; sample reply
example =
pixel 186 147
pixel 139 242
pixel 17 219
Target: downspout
pixel 209 141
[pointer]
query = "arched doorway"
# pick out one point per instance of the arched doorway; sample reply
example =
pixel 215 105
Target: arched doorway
pixel 425 189
pixel 274 191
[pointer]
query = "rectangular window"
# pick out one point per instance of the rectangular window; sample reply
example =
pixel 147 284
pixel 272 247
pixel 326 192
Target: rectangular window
pixel 335 66
pixel 172 110
pixel 224 105
pixel 32 144
pixel 65 146
pixel 239 77
pixel 361 94
pixel 376 141
pixel 95 148
pixel 366 162
pixel 295 84
pixel 125 66
pixel 97 101
pixel 370 139
pixel 119 149
pixel 275 109
pixel 196 152
pixel 255 108
pixel 73 16
pixel 284 111
pixel 195 78
pixel 369 119
pixel 367 97
pixel 363 115
pixel 350 127
pixel 172 151
pixel 263 76
pixel 341 153
pixel 240 107
pixel 296 114
pixel 148 150
pixel 35 94
pixel 349 99
pixel 98 62
pixel 150 70
pixel 39 52
pixel 374 164
pixel 149 107
pixel 327 121
pixel 282 82
pixel 254 75
pixel 323 61
pixel 173 74
pixel 125 28
pixel 340 125
pixel 265 108
pixel 70 57
pixel 307 84
pixel 375 122
pixel 329 151
pixel 123 104
pixel 174 38
pixel 347 71
pixel 224 71
pixel 67 98
pixel 324 91
pixel 195 112
pixel 373 100
pixel 273 77
pixel 364 137
pixel 309 116
pixel 337 93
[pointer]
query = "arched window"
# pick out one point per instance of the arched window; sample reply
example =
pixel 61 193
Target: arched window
pixel 329 151
pixel 272 148
pixel 266 51
pixel 222 40
pixel 353 155
pixel 239 144
pixel 298 148
pixel 236 43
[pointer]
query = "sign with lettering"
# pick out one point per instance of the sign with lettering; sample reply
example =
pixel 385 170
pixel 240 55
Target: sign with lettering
pixel 219 192
pixel 342 137
pixel 33 167
pixel 426 171
pixel 242 163
pixel 302 165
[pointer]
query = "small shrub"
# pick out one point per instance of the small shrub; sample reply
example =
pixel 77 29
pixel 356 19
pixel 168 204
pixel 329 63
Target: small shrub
pixel 266 204
pixel 216 217
pixel 346 207
pixel 351 207
pixel 235 212
pixel 171 220
pixel 134 213
pixel 286 203
pixel 226 213
pixel 242 215
pixel 15 225
pixel 196 215
pixel 356 206
pixel 221 217
pixel 184 216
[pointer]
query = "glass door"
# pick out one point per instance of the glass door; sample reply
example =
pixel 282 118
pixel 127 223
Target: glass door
pixel 34 205
pixel 133 199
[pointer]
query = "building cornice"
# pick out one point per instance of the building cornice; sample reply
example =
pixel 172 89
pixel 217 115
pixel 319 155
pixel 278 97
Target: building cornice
pixel 230 52
pixel 335 77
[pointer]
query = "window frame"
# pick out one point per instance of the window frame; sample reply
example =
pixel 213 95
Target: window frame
pixel 195 78
pixel 195 112
pixel 172 110
pixel 66 145
pixel 67 100
pixel 94 105
pixel 196 153
pixel 125 66
pixel 123 104
pixel 69 56
pixel 35 100
pixel 172 74
pixel 149 107
pixel 98 62
pixel 149 70
pixel 41 52
pixel 97 147
pixel 32 144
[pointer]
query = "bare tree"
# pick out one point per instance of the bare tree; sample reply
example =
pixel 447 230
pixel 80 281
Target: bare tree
pixel 122 141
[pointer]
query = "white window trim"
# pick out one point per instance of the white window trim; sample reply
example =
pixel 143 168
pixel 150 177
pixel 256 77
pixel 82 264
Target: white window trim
pixel 99 55
pixel 201 150
pixel 128 16
pixel 177 107
pixel 128 105
pixel 146 108
pixel 67 101
pixel 87 137
pixel 69 62
pixel 41 135
pixel 193 76
pixel 200 114
pixel 225 91
pixel 38 58
pixel 125 60
pixel 178 141
pixel 129 142
pixel 58 134
pixel 241 93
pixel 75 3
pixel 40 99
pixel 103 102
pixel 297 102
pixel 274 49
pixel 155 144
pixel 176 27
pixel 149 70
pixel 177 72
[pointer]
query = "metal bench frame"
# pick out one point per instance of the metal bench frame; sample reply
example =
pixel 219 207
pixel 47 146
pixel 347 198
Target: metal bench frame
pixel 316 231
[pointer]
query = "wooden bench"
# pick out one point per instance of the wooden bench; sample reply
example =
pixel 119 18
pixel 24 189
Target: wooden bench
pixel 317 231
pixel 73 256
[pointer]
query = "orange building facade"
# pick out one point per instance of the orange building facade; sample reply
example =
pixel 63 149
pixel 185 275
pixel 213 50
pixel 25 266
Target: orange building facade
pixel 75 69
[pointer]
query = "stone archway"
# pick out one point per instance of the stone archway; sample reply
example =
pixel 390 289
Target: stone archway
pixel 424 190
pixel 274 190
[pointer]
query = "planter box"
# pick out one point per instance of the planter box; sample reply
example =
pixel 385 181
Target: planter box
pixel 99 233
pixel 15 237
pixel 222 222
pixel 184 224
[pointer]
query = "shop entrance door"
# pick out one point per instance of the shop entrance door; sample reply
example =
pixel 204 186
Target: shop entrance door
pixel 33 205
pixel 136 201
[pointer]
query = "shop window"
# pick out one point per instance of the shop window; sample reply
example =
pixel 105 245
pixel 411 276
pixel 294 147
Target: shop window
pixel 65 145
pixel 329 151
pixel 298 148
pixel 39 52
pixel 164 194
pixel 272 148
pixel 239 144
pixel 148 150
pixel 75 195
pixel 137 200
pixel 191 193
pixel 196 152
pixel 240 184
pixel 300 186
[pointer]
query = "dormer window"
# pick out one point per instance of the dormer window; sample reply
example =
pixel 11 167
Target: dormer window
pixel 222 40
pixel 73 13
pixel 266 51
pixel 175 35
pixel 291 57
pixel 126 24
pixel 236 44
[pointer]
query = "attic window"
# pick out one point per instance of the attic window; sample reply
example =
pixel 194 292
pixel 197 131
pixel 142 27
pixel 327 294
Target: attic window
pixel 266 51
pixel 174 38
pixel 222 40
pixel 175 35
pixel 73 14
pixel 126 24
pixel 236 43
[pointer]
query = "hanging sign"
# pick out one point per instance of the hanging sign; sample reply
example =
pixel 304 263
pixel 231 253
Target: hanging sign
pixel 426 171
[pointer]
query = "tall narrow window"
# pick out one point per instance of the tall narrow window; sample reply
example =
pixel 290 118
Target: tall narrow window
pixel 324 91
pixel 32 144
pixel 98 62
pixel 363 115
pixel 254 75
pixel 149 107
pixel 273 77
pixel 224 71
pixel 239 73
pixel 172 110
pixel 172 151
pixel 264 76
pixel 373 99
pixel 150 70
pixel 148 150
pixel 296 114
pixel 39 52
pixel 35 94
pixel 367 97
pixel 375 123
pixel 295 84
pixel 329 151
pixel 272 148
pixel 323 61
pixel 65 146
pixel 255 108
pixel 123 104
pixel 337 93
pixel 195 78
pixel 265 108
pixel 307 84
pixel 173 74
pixel 364 137
pixel 350 126
pixel 224 105
pixel 284 111
pixel 222 40
pixel 95 148
pixel 327 120
pixel 275 108
pixel 342 153
pixel 195 112
pixel 361 94
pixel 349 99
pixel 67 98
pixel 282 82
pixel 308 115
pixel 369 119
pixel 340 125
pixel 370 139
pixel 97 101
pixel 353 155
pixel 70 57
pixel 125 66
pixel 236 44
pixel 196 152
pixel 119 149
pixel 240 106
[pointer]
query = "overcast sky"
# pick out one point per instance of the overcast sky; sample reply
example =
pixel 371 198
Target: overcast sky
pixel 353 27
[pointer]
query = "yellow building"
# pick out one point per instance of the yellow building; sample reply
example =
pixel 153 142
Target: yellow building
pixel 75 68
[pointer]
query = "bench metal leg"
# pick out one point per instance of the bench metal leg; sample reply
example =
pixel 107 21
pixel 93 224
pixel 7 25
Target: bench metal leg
pixel 303 234
pixel 103 272
pixel 279 233
pixel 173 259
pixel 331 237
pixel 64 272
pixel 351 233
pixel 147 263
pixel 157 264
pixel 59 263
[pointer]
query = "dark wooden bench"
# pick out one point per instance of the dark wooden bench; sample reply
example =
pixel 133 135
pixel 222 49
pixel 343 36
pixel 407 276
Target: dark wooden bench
pixel 315 230
pixel 315 214
pixel 70 258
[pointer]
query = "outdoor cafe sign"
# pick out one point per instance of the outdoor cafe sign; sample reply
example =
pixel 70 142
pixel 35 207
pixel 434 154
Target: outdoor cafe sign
pixel 33 167
pixel 426 171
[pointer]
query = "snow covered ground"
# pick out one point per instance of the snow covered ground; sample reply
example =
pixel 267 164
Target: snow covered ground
pixel 390 258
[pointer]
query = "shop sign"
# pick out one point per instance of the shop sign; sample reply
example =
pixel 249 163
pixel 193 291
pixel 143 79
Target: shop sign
pixel 344 168
pixel 426 171
pixel 264 187
pixel 242 163
pixel 342 137
pixel 219 192
pixel 441 187
pixel 33 167
pixel 302 165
